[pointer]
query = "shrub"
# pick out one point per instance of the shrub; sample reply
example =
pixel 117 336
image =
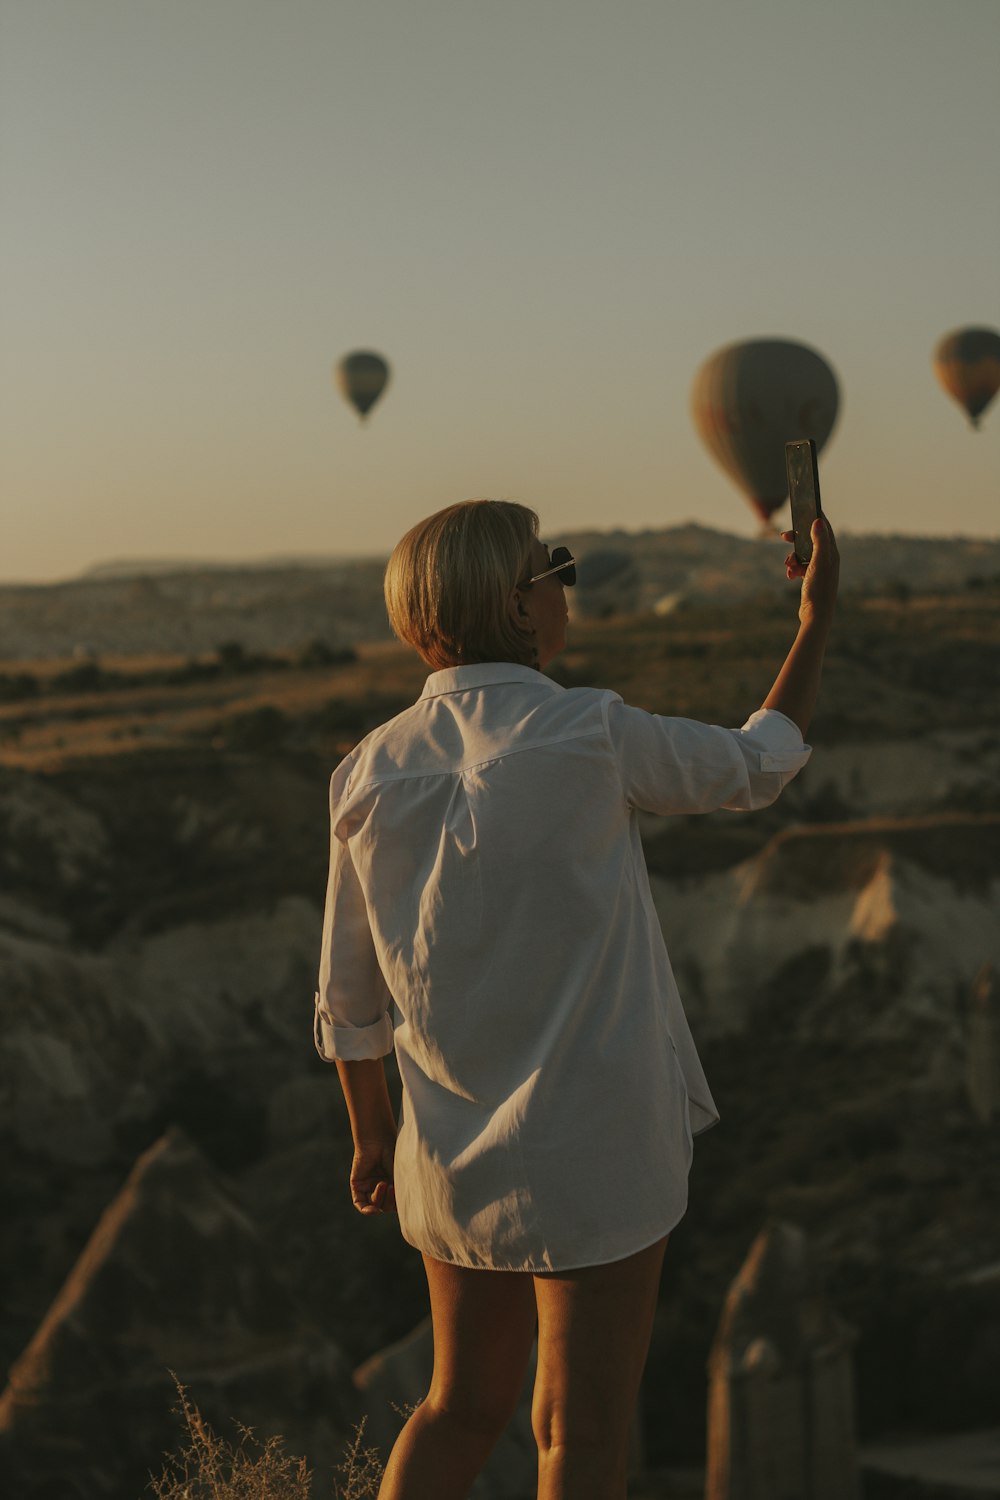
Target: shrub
pixel 232 656
pixel 357 715
pixel 88 677
pixel 209 1468
pixel 192 670
pixel 317 653
pixel 259 729
pixel 15 686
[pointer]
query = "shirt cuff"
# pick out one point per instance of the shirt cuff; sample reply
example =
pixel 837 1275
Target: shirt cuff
pixel 348 1043
pixel 780 739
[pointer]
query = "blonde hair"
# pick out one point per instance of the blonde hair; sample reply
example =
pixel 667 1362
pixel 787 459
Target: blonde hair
pixel 449 582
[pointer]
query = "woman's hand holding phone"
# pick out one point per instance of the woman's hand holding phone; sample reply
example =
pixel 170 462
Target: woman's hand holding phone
pixel 820 578
pixel 797 684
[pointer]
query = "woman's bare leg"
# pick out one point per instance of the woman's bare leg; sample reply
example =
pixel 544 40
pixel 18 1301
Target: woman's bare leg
pixel 594 1327
pixel 484 1326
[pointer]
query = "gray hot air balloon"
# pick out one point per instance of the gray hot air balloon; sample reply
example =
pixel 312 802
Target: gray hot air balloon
pixel 748 400
pixel 361 378
pixel 967 363
pixel 607 583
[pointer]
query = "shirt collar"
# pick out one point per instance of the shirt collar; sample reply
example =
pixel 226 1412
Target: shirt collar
pixel 484 674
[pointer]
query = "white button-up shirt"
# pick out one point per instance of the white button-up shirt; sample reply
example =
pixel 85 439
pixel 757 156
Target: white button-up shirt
pixel 489 913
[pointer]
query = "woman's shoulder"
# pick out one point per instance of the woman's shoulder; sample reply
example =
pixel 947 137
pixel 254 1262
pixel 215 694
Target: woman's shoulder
pixel 438 735
pixel 377 742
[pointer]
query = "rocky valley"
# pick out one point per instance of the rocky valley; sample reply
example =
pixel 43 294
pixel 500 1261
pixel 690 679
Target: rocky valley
pixel 175 1153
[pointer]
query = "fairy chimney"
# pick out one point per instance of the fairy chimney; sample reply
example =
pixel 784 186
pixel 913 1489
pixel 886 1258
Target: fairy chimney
pixel 781 1397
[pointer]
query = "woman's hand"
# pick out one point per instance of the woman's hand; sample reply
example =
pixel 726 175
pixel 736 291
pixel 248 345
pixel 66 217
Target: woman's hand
pixel 797 684
pixel 373 1128
pixel 820 578
pixel 372 1191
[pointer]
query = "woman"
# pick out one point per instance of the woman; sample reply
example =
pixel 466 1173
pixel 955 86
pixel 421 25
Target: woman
pixel 487 886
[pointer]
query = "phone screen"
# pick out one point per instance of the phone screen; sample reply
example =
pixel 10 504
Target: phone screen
pixel 803 492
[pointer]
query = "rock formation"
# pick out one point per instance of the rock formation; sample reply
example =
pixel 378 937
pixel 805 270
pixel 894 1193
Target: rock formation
pixel 781 1398
pixel 879 925
pixel 174 1280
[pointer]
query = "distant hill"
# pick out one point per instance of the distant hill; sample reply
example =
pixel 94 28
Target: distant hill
pixel 141 606
pixel 702 563
pixel 147 567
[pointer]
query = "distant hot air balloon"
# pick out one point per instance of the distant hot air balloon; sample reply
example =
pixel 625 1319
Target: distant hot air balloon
pixel 607 583
pixel 967 363
pixel 361 378
pixel 748 400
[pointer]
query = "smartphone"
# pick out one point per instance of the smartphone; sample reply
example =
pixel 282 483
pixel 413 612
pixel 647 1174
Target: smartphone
pixel 803 492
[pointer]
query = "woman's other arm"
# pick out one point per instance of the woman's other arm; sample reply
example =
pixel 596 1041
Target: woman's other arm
pixel 797 684
pixel 373 1127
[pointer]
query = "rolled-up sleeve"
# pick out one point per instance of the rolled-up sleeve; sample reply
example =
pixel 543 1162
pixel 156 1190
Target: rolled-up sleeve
pixel 682 766
pixel 353 1005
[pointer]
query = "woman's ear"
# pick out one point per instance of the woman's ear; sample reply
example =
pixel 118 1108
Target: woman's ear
pixel 516 610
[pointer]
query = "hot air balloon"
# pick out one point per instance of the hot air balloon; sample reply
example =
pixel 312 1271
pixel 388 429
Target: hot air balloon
pixel 967 363
pixel 361 378
pixel 748 400
pixel 607 583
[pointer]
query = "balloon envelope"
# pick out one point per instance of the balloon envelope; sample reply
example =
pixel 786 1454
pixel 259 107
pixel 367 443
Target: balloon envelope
pixel 361 378
pixel 750 399
pixel 967 363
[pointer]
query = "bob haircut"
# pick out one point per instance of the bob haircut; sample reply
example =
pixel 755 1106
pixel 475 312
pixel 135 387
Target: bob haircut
pixel 449 582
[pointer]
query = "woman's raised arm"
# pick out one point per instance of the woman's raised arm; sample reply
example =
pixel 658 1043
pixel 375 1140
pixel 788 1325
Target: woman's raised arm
pixel 797 684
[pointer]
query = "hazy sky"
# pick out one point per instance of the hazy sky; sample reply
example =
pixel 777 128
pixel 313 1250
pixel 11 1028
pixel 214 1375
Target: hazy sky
pixel 546 213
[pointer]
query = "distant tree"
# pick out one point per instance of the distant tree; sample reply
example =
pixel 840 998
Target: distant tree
pixel 317 653
pixel 262 728
pixel 88 677
pixel 232 656
pixel 357 715
pixel 194 669
pixel 16 686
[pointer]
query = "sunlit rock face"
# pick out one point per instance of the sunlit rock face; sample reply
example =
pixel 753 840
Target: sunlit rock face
pixel 879 925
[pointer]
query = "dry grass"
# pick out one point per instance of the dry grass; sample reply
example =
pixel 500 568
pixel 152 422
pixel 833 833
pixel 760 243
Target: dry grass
pixel 361 1470
pixel 208 1467
pixel 47 733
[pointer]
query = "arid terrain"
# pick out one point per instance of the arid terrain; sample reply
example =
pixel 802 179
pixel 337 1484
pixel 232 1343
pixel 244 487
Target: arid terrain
pixel 175 1154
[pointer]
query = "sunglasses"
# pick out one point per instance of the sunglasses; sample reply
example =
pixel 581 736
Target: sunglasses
pixel 562 562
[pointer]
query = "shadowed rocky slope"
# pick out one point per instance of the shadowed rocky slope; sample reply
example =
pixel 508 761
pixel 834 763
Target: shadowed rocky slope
pixel 174 1278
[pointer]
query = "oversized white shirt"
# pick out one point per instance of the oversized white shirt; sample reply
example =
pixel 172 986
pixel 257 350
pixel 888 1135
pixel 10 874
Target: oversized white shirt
pixel 489 913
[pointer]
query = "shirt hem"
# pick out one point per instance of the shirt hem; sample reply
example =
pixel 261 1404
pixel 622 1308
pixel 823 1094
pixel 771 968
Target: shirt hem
pixel 541 1270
